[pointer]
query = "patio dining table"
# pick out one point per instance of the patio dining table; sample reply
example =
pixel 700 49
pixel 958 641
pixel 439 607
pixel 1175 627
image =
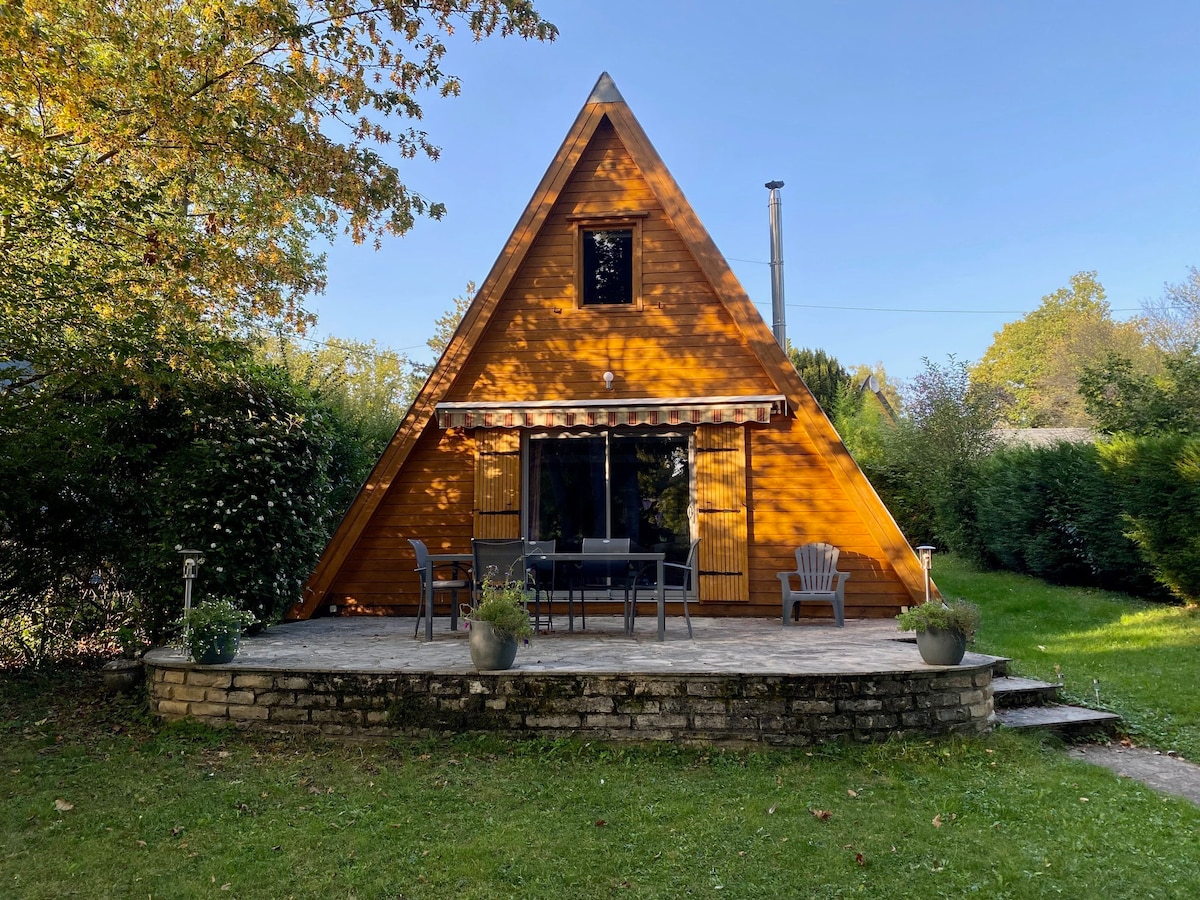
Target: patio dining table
pixel 632 556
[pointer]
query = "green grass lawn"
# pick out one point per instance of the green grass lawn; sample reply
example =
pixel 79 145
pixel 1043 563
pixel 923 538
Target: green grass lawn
pixel 98 801
pixel 1143 658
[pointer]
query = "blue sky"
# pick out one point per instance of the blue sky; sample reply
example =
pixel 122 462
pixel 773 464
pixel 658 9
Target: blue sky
pixel 961 157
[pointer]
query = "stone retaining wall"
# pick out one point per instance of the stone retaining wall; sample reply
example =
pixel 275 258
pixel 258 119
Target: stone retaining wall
pixel 784 710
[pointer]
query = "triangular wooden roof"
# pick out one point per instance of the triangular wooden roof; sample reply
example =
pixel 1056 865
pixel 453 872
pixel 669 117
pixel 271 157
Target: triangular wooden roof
pixel 606 102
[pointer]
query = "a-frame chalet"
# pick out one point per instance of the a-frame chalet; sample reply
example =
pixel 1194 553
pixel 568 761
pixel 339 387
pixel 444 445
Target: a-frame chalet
pixel 612 378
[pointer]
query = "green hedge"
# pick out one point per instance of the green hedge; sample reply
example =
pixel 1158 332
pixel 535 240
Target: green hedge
pixel 1054 512
pixel 1158 482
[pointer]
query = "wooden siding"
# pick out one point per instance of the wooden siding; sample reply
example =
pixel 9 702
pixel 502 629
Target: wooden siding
pixel 497 483
pixel 721 513
pixel 540 346
pixel 431 500
pixel 794 499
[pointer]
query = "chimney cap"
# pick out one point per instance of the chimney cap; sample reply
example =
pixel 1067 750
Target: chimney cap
pixel 772 185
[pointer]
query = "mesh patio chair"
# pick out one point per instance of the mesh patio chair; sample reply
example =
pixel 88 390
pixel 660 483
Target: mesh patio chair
pixel 429 581
pixel 541 579
pixel 680 578
pixel 501 560
pixel 602 576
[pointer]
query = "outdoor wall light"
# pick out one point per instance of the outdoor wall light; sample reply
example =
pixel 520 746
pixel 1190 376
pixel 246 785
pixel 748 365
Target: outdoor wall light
pixel 926 554
pixel 608 381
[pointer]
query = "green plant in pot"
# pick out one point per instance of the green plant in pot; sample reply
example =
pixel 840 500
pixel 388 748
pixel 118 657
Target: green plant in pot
pixel 943 629
pixel 214 630
pixel 497 623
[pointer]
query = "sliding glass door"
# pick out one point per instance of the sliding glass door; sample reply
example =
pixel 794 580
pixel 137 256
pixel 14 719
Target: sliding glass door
pixel 611 485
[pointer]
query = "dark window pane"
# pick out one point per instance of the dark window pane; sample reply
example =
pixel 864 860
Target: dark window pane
pixel 608 266
pixel 568 476
pixel 650 494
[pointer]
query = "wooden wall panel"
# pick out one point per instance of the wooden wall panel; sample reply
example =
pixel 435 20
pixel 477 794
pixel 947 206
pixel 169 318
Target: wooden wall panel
pixel 794 499
pixel 431 500
pixel 721 514
pixel 539 346
pixel 497 483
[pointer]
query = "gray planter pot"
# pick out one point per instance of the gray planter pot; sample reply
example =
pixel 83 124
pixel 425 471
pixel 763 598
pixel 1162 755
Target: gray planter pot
pixel 941 648
pixel 121 676
pixel 491 651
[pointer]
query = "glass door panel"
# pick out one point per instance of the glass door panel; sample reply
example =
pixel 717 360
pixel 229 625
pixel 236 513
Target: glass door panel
pixel 650 490
pixel 568 480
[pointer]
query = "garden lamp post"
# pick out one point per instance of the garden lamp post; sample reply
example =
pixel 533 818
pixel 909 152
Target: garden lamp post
pixel 191 561
pixel 926 554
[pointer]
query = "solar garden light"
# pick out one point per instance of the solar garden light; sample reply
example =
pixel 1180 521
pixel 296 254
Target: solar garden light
pixel 191 560
pixel 926 554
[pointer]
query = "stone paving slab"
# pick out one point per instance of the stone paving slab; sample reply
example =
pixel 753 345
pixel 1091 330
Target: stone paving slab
pixel 1167 774
pixel 733 645
pixel 1055 717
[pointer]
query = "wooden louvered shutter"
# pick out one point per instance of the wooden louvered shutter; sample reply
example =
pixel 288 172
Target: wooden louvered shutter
pixel 497 483
pixel 721 513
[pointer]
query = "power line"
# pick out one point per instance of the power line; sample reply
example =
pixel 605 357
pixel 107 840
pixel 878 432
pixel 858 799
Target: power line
pixel 893 309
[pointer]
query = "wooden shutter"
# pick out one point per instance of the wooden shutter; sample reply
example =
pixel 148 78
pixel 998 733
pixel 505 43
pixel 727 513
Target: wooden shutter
pixel 721 513
pixel 497 483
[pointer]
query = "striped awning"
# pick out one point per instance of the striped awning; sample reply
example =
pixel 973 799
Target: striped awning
pixel 612 414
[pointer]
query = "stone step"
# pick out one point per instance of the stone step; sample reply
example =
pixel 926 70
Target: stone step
pixel 1062 720
pixel 1013 691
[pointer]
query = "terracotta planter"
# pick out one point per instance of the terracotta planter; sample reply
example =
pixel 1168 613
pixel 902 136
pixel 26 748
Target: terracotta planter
pixel 491 651
pixel 940 647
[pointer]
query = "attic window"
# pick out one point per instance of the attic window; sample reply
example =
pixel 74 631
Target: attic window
pixel 608 262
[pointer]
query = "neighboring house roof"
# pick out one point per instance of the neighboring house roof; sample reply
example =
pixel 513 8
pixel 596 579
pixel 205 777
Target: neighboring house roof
pixel 1042 437
pixel 605 104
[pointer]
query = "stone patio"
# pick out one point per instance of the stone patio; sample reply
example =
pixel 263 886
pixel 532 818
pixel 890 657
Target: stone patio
pixel 739 680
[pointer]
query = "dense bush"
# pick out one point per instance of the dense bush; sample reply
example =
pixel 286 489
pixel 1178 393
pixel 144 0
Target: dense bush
pixel 1158 481
pixel 1053 512
pixel 100 481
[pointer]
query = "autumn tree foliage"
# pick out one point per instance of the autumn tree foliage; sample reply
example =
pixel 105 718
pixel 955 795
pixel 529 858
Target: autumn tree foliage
pixel 1035 362
pixel 167 170
pixel 168 162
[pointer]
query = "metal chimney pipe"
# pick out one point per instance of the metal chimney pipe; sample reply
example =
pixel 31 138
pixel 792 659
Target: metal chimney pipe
pixel 778 319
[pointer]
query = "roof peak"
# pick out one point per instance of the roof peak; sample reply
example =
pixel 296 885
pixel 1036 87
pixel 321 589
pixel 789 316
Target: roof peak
pixel 605 91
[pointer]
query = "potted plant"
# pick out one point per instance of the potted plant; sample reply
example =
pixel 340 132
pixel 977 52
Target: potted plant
pixel 496 625
pixel 943 629
pixel 214 630
pixel 123 674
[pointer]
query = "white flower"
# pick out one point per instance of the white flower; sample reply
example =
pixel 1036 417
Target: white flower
pixel 217 526
pixel 254 496
pixel 260 518
pixel 270 503
pixel 180 546
pixel 220 503
pixel 213 545
pixel 220 568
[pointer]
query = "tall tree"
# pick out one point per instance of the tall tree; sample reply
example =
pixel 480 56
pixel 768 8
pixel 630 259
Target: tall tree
pixel 931 456
pixel 370 386
pixel 825 376
pixel 1035 361
pixel 166 163
pixel 1173 320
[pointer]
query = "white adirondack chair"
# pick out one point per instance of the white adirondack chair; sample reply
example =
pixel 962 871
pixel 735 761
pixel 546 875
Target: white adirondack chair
pixel 819 580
